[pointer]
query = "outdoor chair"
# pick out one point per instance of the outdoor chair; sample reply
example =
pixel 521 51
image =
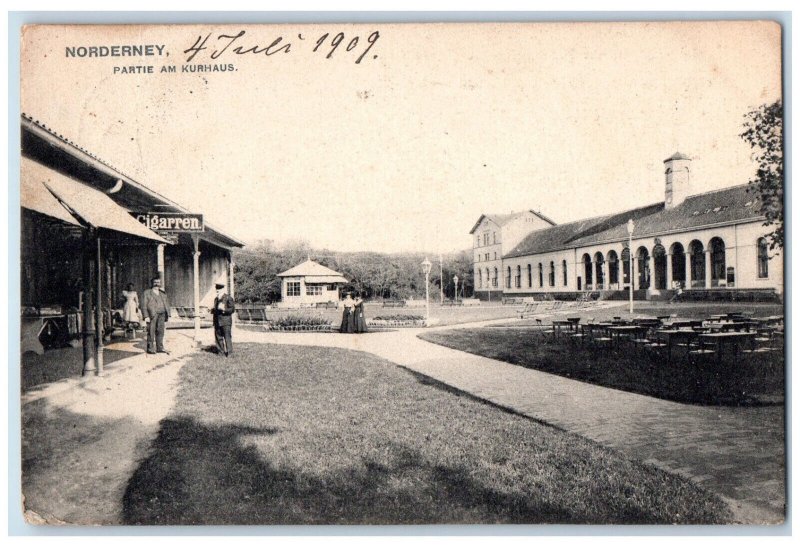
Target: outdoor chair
pixel 641 338
pixel 700 350
pixel 542 329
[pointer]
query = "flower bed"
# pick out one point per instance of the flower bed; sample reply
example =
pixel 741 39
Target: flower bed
pixel 399 320
pixel 294 323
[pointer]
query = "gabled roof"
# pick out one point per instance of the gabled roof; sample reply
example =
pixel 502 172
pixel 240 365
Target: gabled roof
pixel 309 267
pixel 727 206
pixel 503 219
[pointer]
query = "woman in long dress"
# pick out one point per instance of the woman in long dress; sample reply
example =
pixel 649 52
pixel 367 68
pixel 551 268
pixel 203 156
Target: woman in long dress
pixel 130 310
pixel 358 312
pixel 348 320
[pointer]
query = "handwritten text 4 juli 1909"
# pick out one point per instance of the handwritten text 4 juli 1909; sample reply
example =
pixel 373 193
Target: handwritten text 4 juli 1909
pixel 215 46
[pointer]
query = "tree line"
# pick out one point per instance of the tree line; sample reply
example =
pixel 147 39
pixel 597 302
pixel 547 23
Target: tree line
pixel 374 275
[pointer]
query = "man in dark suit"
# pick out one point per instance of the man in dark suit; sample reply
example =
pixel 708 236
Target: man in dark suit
pixel 155 307
pixel 224 307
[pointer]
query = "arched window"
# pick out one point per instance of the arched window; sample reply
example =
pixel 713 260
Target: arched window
pixel 643 266
pixel 587 270
pixel 598 270
pixel 508 277
pixel 480 278
pixel 530 276
pixel 678 265
pixel 494 279
pixel 541 276
pixel 613 268
pixel 763 258
pixel 564 267
pixel 717 248
pixel 626 266
pixel 552 274
pixel 518 278
pixel 698 264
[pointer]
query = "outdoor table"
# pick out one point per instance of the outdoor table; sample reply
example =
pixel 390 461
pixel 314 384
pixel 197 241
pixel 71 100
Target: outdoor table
pixel 558 324
pixel 679 334
pixel 717 317
pixel 591 327
pixel 618 330
pixel 575 322
pixel 731 338
pixel 684 323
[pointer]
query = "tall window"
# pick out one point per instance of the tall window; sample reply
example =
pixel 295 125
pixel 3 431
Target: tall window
pixel 717 260
pixel 541 275
pixel 552 277
pixel 613 268
pixel 313 290
pixel 530 276
pixel 486 238
pixel 494 279
pixel 518 278
pixel 488 283
pixel 477 241
pixel 480 278
pixel 508 277
pixel 564 268
pixel 698 264
pixel 763 259
pixel 293 288
pixel 494 236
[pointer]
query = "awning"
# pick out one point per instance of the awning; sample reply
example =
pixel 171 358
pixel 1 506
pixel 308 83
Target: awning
pixel 35 197
pixel 325 279
pixel 90 206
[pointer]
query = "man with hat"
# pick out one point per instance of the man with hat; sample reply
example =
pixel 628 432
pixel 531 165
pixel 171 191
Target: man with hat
pixel 224 307
pixel 155 306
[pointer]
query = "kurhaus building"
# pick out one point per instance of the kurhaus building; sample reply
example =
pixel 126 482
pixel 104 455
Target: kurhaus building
pixel 710 245
pixel 88 231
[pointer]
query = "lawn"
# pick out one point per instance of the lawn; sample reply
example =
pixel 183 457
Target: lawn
pixel 753 380
pixel 300 435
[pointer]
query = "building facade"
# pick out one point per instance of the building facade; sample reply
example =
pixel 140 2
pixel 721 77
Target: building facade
pixel 711 241
pixel 310 283
pixel 494 235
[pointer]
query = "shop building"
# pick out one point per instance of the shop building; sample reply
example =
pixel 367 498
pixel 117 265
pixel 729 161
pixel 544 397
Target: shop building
pixel 88 230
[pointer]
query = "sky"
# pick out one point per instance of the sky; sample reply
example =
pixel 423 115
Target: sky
pixel 435 126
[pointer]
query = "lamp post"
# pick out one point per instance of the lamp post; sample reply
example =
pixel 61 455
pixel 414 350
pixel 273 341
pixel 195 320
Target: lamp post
pixel 631 226
pixel 455 294
pixel 426 267
pixel 441 281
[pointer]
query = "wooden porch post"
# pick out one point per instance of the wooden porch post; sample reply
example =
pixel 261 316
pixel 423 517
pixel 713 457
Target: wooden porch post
pixel 196 285
pixel 89 362
pixel 99 330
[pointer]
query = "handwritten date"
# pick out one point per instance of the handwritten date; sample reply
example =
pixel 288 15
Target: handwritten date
pixel 237 44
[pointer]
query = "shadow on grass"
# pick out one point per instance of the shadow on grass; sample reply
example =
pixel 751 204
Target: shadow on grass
pixel 57 364
pixel 200 474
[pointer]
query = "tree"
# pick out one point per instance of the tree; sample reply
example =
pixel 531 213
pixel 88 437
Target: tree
pixel 764 133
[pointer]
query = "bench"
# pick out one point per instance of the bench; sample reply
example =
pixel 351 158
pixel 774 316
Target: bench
pixel 394 303
pixel 452 303
pixel 326 305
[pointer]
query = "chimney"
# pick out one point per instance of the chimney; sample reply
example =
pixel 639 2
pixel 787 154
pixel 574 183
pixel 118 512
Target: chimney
pixel 677 183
